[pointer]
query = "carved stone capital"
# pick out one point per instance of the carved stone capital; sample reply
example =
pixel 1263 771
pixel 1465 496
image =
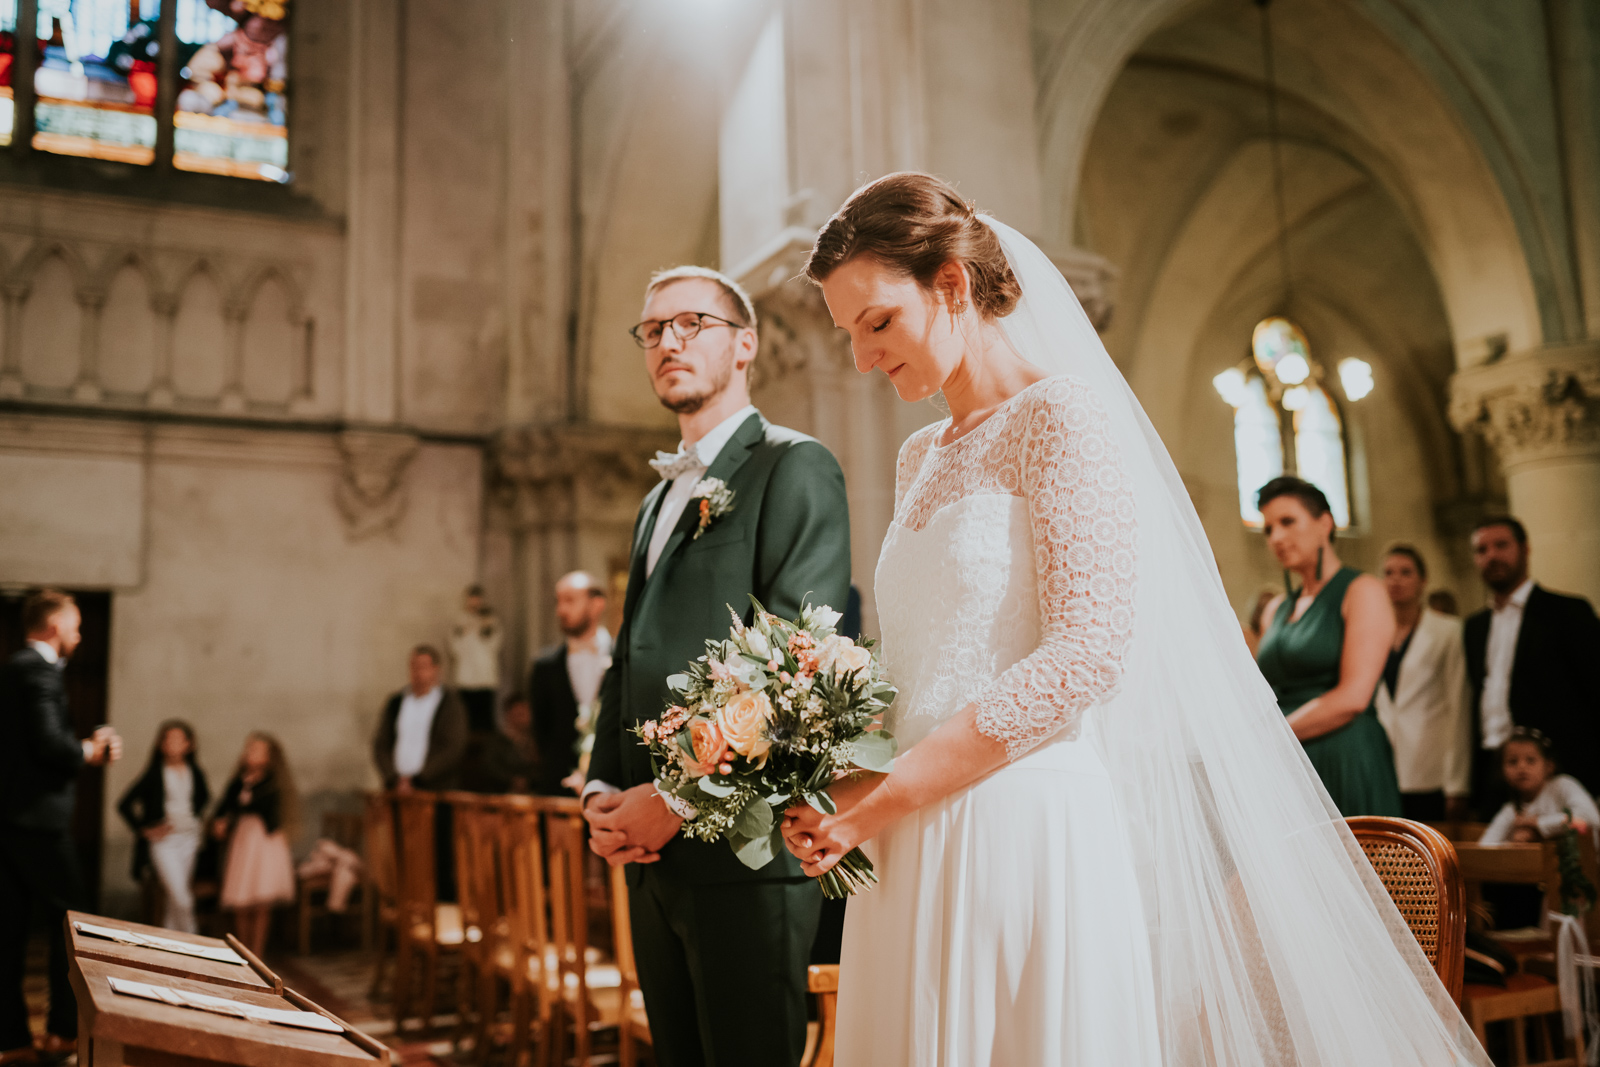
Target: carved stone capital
pixel 371 492
pixel 546 476
pixel 1535 406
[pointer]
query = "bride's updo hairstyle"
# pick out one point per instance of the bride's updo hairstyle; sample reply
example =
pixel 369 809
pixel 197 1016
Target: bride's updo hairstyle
pixel 914 224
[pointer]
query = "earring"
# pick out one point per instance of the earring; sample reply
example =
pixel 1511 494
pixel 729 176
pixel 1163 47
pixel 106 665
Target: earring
pixel 961 308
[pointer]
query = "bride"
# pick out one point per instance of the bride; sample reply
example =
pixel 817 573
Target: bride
pixel 1100 844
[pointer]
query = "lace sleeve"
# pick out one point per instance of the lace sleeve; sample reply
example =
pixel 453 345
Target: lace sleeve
pixel 1081 506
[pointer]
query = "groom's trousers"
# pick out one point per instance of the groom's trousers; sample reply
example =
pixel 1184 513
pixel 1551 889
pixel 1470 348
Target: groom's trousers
pixel 723 968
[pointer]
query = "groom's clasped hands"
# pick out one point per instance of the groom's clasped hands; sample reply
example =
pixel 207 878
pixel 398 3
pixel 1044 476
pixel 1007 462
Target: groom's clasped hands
pixel 630 826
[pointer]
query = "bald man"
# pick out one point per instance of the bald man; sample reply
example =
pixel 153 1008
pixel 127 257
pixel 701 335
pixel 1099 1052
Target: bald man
pixel 565 684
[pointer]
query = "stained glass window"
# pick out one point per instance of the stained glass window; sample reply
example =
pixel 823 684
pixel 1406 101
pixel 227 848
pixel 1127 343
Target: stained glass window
pixel 94 78
pixel 232 108
pixel 1319 451
pixel 97 78
pixel 1258 444
pixel 1277 397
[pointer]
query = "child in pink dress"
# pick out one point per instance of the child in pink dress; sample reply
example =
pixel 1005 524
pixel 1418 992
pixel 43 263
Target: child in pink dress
pixel 256 816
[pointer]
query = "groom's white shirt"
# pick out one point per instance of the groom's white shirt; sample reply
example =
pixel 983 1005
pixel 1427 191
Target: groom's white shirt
pixel 677 498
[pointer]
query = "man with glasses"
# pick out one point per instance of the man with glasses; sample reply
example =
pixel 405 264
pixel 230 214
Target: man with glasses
pixel 721 949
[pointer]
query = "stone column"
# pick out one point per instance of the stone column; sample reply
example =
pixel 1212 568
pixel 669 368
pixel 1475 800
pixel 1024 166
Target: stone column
pixel 1540 411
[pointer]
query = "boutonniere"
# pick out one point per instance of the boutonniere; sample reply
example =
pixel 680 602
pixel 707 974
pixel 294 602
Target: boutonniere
pixel 716 500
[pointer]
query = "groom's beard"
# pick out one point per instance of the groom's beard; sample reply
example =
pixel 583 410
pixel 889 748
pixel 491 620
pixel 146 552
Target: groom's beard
pixel 689 403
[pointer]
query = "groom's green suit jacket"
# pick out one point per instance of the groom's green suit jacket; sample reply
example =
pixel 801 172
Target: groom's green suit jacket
pixel 787 541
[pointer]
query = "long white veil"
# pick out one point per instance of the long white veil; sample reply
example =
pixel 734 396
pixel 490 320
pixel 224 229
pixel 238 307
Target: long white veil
pixel 1273 941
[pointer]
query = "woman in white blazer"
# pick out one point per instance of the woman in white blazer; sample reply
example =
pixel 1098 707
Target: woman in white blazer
pixel 1422 698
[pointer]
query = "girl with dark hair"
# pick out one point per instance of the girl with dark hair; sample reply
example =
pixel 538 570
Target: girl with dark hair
pixel 163 809
pixel 1325 649
pixel 1544 803
pixel 257 816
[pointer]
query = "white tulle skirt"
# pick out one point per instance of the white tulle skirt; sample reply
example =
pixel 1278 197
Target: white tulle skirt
pixel 1006 930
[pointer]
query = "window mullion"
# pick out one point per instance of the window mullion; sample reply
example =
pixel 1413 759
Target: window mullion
pixel 24 63
pixel 166 82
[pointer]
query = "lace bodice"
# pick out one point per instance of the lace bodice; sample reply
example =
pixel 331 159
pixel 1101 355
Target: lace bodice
pixel 1007 579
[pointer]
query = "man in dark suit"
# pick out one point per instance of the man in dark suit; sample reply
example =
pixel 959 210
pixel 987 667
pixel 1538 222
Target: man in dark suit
pixel 564 687
pixel 1533 659
pixel 422 733
pixel 40 757
pixel 721 949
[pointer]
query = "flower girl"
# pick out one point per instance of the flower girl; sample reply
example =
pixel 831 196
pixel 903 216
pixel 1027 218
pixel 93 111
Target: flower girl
pixel 257 816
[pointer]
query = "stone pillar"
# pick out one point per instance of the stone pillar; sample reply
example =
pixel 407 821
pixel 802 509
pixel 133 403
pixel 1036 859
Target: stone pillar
pixel 1540 411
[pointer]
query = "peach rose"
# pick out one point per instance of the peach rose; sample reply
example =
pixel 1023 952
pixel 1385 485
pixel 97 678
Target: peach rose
pixel 850 659
pixel 743 720
pixel 709 747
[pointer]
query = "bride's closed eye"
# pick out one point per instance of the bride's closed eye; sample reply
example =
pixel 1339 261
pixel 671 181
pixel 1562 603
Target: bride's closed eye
pixel 884 325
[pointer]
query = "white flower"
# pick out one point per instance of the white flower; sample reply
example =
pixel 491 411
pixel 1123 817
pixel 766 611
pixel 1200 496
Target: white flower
pixel 820 617
pixel 756 642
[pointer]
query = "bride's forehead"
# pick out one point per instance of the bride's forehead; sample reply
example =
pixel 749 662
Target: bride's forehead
pixel 862 282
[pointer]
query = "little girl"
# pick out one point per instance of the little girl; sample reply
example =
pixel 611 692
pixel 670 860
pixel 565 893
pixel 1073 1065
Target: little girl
pixel 1543 797
pixel 163 809
pixel 259 809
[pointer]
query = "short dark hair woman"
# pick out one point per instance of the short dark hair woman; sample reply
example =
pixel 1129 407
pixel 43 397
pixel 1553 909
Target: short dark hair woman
pixel 163 809
pixel 1325 649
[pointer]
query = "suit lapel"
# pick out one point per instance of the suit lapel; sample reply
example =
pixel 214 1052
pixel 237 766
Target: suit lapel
pixel 728 461
pixel 1420 647
pixel 1530 612
pixel 641 550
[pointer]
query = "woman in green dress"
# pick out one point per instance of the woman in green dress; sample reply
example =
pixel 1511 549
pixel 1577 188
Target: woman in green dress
pixel 1325 649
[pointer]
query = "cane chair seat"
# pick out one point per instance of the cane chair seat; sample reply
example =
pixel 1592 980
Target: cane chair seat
pixel 1417 866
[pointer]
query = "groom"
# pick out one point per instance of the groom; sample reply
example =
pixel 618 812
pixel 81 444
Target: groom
pixel 721 949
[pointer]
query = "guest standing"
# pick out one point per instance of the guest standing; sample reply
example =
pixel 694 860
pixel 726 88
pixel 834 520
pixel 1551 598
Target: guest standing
pixel 564 688
pixel 1533 659
pixel 422 733
pixel 163 810
pixel 257 816
pixel 475 642
pixel 1422 701
pixel 1325 649
pixel 39 762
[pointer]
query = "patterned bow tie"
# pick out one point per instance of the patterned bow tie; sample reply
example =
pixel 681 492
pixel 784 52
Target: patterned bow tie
pixel 674 465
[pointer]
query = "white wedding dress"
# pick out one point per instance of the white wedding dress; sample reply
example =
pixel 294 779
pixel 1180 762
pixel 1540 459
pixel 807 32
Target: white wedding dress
pixel 1007 928
pixel 1156 876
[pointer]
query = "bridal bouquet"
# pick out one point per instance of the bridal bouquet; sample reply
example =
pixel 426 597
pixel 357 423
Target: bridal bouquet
pixel 766 719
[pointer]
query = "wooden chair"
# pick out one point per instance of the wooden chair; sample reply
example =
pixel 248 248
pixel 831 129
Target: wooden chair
pixel 633 1025
pixel 311 891
pixel 520 953
pixel 822 979
pixel 588 989
pixel 478 899
pixel 380 895
pixel 1525 995
pixel 426 928
pixel 1418 866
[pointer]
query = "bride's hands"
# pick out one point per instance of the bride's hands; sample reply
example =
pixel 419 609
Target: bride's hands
pixel 819 841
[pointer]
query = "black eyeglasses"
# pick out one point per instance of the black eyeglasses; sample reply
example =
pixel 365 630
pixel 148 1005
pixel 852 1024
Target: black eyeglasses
pixel 686 324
